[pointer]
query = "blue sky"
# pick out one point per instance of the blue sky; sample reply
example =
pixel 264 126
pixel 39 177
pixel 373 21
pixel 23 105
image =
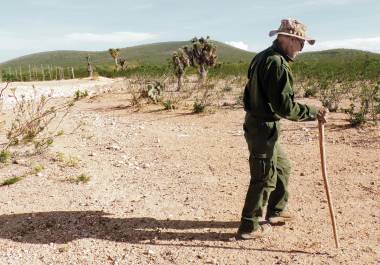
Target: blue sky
pixel 44 25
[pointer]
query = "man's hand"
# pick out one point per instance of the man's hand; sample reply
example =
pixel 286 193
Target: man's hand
pixel 322 115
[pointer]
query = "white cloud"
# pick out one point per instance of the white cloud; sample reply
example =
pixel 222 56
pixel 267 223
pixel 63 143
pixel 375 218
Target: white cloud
pixel 238 44
pixel 366 44
pixel 114 37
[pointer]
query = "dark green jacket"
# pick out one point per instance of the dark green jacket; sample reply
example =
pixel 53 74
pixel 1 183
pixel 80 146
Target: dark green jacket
pixel 269 94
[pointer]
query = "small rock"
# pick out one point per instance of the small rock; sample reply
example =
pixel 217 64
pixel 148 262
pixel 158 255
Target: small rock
pixel 302 174
pixel 114 147
pixel 150 252
pixel 92 154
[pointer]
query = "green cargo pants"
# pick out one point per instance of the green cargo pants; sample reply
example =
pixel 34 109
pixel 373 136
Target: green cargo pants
pixel 269 168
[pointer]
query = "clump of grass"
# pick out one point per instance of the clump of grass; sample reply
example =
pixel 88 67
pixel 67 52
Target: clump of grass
pixel 60 133
pixel 5 156
pixel 66 161
pixel 82 178
pixel 72 161
pixel 60 157
pixel 11 181
pixel 80 94
pixel 168 104
pixel 37 169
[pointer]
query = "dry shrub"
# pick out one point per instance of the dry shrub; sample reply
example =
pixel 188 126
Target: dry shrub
pixel 32 118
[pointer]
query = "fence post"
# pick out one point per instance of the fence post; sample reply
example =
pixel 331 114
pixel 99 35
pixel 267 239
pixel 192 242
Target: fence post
pixel 30 74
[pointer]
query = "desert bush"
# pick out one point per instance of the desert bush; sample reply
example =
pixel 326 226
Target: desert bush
pixel 143 92
pixel 332 90
pixel 208 94
pixel 365 104
pixel 80 94
pixel 32 118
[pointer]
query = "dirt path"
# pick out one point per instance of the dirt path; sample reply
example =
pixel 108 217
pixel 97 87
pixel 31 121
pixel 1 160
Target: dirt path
pixel 168 188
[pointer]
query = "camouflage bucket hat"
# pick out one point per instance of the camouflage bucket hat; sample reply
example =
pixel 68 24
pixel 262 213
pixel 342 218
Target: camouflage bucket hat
pixel 294 28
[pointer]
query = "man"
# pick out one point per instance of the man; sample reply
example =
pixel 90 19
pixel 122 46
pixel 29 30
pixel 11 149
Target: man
pixel 268 97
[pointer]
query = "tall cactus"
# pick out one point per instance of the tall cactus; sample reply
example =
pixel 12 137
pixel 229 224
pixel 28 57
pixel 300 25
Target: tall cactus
pixel 204 55
pixel 119 61
pixel 201 54
pixel 180 62
pixel 115 53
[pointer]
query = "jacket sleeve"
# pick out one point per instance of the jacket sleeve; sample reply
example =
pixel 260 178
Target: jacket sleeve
pixel 278 84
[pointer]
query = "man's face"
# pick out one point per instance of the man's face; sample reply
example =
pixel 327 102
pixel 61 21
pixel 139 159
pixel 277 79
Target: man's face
pixel 295 46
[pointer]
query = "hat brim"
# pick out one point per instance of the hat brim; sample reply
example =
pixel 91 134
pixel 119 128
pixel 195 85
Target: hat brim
pixel 308 39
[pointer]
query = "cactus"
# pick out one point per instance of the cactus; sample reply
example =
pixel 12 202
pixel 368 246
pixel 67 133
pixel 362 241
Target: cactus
pixel 180 61
pixel 153 90
pixel 119 61
pixel 204 55
pixel 201 53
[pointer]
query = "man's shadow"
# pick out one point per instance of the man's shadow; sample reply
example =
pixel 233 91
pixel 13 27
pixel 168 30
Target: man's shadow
pixel 65 226
pixel 62 227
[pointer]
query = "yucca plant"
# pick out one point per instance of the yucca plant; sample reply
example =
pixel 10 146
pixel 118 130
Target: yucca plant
pixel 180 61
pixel 115 53
pixel 120 63
pixel 203 55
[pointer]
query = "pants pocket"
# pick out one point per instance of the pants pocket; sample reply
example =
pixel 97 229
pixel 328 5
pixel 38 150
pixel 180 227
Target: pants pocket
pixel 260 168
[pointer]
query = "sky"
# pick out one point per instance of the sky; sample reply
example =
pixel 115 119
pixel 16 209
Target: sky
pixel 30 26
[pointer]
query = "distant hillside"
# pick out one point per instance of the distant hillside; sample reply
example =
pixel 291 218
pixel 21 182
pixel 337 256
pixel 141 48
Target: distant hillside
pixel 156 53
pixel 337 54
pixel 152 59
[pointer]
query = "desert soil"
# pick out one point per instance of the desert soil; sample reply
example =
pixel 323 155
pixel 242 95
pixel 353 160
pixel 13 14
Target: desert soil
pixel 167 187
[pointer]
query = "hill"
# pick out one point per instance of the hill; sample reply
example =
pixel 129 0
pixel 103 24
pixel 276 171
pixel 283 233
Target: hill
pixel 156 53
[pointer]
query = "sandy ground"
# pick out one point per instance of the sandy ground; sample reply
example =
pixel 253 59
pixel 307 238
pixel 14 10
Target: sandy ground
pixel 167 187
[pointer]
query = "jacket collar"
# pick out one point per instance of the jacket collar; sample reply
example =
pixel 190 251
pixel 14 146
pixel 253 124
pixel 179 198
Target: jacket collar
pixel 276 47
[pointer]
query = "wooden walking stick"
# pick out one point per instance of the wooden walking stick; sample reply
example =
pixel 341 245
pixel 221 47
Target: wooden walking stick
pixel 321 127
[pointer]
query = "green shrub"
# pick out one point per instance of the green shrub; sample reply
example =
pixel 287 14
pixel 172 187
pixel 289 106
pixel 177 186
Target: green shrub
pixel 82 178
pixel 198 107
pixel 365 104
pixel 5 156
pixel 168 104
pixel 310 91
pixel 80 94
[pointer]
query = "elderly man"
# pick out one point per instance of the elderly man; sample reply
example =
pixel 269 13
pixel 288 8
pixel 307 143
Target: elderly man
pixel 268 97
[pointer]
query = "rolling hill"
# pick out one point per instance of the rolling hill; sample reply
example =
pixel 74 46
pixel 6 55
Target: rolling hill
pixel 338 61
pixel 156 53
